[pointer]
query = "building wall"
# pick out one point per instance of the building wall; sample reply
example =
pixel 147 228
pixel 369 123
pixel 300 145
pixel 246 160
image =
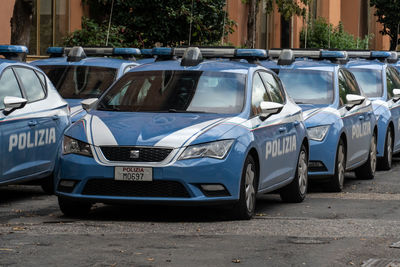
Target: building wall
pixel 237 11
pixel 6 11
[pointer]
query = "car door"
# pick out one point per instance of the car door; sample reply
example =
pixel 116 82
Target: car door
pixel 356 119
pixel 270 135
pixel 45 121
pixel 16 132
pixel 393 82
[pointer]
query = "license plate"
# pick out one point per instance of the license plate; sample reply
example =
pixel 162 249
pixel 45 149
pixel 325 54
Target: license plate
pixel 133 174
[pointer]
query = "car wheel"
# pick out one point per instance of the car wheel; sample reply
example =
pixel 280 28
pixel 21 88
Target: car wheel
pixel 73 208
pixel 337 180
pixel 244 208
pixel 385 163
pixel 367 170
pixel 47 185
pixel 296 191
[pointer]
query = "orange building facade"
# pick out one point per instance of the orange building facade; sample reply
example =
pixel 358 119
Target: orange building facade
pixel 54 19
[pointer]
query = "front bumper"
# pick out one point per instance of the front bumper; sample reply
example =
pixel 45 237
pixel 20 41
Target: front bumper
pixel 323 155
pixel 180 183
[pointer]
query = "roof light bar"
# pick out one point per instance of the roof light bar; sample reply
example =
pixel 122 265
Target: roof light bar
pixel 333 54
pixel 251 53
pixel 162 51
pixel 146 52
pixel 95 51
pixel 380 54
pixel 14 52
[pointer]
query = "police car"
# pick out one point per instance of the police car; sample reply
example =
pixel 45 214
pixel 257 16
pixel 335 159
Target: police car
pixel 395 63
pixel 340 121
pixel 194 130
pixel 33 118
pixel 381 84
pixel 80 73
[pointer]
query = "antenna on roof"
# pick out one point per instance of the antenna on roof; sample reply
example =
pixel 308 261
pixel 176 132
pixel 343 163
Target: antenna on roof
pixel 109 22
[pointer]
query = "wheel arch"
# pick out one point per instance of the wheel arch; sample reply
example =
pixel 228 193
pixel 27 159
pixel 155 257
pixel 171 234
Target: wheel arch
pixel 253 152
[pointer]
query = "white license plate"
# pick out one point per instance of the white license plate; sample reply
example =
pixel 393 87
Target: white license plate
pixel 133 174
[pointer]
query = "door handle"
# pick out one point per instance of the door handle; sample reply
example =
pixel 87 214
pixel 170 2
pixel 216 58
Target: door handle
pixel 32 123
pixel 282 129
pixel 361 117
pixel 55 117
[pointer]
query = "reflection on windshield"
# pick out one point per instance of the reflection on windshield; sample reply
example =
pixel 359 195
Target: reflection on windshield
pixel 308 86
pixel 176 91
pixel 370 81
pixel 80 81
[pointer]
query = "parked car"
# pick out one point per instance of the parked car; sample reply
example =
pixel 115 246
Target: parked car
pixel 194 130
pixel 340 121
pixel 33 117
pixel 80 73
pixel 381 83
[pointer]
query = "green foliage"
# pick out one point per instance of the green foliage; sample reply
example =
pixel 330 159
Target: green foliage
pixel 388 13
pixel 321 34
pixel 287 8
pixel 93 34
pixel 146 23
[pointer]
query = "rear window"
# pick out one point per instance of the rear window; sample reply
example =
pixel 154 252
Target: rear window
pixel 80 81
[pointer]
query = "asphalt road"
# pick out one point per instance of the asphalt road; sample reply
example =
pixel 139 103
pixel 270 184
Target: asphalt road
pixel 327 229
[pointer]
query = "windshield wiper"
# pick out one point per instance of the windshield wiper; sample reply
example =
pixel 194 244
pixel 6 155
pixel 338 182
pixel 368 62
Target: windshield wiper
pixel 109 108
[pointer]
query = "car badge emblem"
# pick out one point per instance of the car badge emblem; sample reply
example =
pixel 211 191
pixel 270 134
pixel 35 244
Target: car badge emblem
pixel 134 154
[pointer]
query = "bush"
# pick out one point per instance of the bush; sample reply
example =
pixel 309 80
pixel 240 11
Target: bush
pixel 321 34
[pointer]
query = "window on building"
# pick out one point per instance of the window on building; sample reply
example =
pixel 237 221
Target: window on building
pixel 50 24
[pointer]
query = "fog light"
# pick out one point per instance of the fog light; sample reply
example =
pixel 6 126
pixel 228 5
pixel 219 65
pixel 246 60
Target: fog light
pixel 66 186
pixel 214 190
pixel 212 187
pixel 316 166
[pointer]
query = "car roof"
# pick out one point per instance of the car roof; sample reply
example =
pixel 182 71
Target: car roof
pixel 218 65
pixel 365 63
pixel 89 61
pixel 303 63
pixel 4 63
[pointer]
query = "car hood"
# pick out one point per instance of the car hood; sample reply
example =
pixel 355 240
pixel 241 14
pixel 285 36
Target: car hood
pixel 104 128
pixel 318 115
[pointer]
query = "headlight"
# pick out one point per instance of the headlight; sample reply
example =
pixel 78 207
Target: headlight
pixel 73 146
pixel 318 133
pixel 217 150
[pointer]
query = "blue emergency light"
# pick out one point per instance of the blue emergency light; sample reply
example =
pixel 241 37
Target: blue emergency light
pixel 14 52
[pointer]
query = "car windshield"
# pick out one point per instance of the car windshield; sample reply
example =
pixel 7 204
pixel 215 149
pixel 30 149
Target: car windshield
pixel 176 91
pixel 369 80
pixel 80 82
pixel 308 86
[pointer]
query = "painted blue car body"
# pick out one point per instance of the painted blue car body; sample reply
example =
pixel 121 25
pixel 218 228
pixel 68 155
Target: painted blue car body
pixel 263 139
pixel 354 126
pixel 31 135
pixel 386 110
pixel 120 66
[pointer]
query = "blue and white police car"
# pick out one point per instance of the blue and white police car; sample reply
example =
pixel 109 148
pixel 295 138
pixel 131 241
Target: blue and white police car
pixel 198 130
pixel 33 118
pixel 80 73
pixel 381 83
pixel 340 122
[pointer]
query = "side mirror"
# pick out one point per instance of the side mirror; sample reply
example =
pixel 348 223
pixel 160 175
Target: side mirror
pixel 396 94
pixel 269 108
pixel 12 103
pixel 89 103
pixel 353 100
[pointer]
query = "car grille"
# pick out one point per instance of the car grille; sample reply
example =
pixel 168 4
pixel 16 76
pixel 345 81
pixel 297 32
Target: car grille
pixel 107 187
pixel 123 153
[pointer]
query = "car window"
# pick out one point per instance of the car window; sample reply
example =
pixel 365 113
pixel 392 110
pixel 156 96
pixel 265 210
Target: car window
pixel 347 85
pixel 259 94
pixel 8 86
pixel 273 87
pixel 176 91
pixel 308 86
pixel 80 81
pixel 42 78
pixel 31 83
pixel 369 80
pixel 392 81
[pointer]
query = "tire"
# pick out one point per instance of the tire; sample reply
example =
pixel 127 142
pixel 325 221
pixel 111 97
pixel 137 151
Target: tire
pixel 73 208
pixel 367 170
pixel 296 191
pixel 244 208
pixel 336 182
pixel 47 185
pixel 385 163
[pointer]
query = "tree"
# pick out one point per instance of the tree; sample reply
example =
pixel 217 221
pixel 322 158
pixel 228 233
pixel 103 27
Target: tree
pixel 388 13
pixel 287 8
pixel 166 21
pixel 21 22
